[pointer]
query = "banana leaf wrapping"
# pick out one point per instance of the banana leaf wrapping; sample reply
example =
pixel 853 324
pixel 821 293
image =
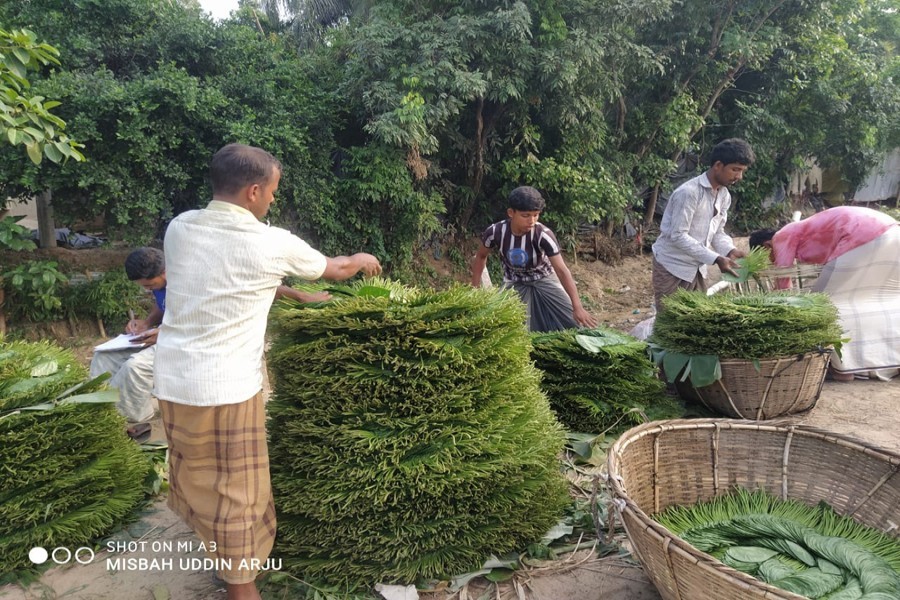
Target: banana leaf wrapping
pixel 409 435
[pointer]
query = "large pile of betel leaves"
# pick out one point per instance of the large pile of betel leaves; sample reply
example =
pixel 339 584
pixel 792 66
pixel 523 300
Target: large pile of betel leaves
pixel 694 331
pixel 808 550
pixel 410 439
pixel 70 473
pixel 600 380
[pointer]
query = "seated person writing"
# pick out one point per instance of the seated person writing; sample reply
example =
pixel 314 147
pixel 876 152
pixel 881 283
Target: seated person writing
pixel 132 368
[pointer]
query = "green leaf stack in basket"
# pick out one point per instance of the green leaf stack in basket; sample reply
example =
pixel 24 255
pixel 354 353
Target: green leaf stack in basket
pixel 409 435
pixel 70 473
pixel 694 330
pixel 600 380
pixel 810 551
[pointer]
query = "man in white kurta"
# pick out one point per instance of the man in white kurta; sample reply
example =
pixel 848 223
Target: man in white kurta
pixel 692 233
pixel 223 268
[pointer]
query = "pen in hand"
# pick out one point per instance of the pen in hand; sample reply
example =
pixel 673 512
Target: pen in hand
pixel 131 326
pixel 146 337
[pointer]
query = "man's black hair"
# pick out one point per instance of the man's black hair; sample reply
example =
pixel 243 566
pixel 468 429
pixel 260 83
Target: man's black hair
pixel 526 198
pixel 760 237
pixel 145 263
pixel 236 166
pixel 732 150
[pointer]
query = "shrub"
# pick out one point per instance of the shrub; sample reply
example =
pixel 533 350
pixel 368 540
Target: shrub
pixel 14 236
pixel 108 298
pixel 33 291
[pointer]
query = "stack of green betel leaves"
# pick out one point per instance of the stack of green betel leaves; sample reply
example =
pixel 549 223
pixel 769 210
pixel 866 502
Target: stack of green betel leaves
pixel 600 380
pixel 410 439
pixel 693 331
pixel 70 473
pixel 810 551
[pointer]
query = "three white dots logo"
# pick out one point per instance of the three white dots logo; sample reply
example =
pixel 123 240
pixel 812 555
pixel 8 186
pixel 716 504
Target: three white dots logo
pixel 60 555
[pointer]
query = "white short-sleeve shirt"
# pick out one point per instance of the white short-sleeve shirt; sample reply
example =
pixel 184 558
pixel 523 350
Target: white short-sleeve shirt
pixel 222 269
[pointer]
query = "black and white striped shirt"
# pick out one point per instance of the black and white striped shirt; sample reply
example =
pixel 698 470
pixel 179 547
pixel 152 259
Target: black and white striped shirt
pixel 525 257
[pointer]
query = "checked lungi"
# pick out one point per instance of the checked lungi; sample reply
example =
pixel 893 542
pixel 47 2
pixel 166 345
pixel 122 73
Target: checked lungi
pixel 864 284
pixel 219 481
pixel 547 305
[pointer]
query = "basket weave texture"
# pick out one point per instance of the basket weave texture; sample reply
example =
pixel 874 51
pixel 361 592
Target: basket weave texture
pixel 802 277
pixel 658 464
pixel 780 386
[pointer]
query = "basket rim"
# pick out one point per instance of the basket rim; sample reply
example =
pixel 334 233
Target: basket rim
pixel 809 354
pixel 801 269
pixel 654 427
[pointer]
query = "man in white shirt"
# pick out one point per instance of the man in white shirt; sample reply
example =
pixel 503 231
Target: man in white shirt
pixel 223 268
pixel 692 233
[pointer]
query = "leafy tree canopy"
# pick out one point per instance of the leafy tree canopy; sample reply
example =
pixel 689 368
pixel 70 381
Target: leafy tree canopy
pixel 25 119
pixel 152 89
pixel 592 101
pixel 398 118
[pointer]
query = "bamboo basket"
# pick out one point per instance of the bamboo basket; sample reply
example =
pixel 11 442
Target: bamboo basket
pixel 662 463
pixel 779 386
pixel 802 276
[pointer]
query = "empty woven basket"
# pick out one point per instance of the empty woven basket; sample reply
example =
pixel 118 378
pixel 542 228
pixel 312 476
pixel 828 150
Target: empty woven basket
pixel 658 464
pixel 763 389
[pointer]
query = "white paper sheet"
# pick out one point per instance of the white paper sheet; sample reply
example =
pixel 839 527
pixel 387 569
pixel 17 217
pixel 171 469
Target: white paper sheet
pixel 121 342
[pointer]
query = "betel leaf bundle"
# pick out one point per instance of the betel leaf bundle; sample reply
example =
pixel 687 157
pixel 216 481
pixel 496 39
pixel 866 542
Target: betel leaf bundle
pixel 35 372
pixel 600 379
pixel 409 435
pixel 808 550
pixel 756 261
pixel 70 473
pixel 750 326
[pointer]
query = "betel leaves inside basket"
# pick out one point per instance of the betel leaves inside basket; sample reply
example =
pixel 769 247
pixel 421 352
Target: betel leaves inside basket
pixel 664 464
pixel 758 355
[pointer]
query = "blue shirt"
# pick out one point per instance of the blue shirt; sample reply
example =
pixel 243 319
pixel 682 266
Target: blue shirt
pixel 160 297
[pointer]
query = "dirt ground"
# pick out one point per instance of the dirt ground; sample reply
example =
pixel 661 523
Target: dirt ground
pixel 620 296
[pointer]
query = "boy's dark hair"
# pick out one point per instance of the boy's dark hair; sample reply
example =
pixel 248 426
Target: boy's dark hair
pixel 758 238
pixel 526 198
pixel 732 150
pixel 236 166
pixel 145 263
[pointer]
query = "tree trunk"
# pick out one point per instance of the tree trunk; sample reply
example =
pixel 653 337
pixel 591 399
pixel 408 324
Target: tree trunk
pixel 477 166
pixel 651 207
pixel 46 226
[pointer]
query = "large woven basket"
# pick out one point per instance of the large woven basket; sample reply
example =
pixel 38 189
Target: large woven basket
pixel 763 389
pixel 683 462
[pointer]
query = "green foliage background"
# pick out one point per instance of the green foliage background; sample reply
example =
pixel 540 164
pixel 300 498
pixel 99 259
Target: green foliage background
pixel 409 435
pixel 34 290
pixel 398 119
pixel 108 298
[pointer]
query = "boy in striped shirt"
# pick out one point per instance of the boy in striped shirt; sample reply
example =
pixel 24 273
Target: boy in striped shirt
pixel 533 265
